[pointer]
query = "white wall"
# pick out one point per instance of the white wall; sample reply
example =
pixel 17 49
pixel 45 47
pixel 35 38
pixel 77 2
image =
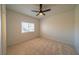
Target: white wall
pixel 59 27
pixel 77 27
pixel 14 34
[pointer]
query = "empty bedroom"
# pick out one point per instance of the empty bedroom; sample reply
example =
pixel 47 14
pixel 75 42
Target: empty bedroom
pixel 42 29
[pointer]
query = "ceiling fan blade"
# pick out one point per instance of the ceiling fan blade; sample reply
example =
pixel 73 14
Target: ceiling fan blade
pixel 44 14
pixel 46 10
pixel 37 14
pixel 34 11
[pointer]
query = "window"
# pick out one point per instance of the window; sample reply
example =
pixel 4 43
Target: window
pixel 28 27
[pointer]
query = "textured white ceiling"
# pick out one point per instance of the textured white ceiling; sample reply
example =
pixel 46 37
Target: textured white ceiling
pixel 26 9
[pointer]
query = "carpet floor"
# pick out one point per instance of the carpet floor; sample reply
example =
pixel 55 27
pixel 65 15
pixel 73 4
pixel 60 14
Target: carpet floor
pixel 41 46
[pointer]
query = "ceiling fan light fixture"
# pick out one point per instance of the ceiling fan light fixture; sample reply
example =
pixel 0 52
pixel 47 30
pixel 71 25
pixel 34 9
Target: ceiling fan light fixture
pixel 40 13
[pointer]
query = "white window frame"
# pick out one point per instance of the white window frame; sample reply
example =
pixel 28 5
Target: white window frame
pixel 28 26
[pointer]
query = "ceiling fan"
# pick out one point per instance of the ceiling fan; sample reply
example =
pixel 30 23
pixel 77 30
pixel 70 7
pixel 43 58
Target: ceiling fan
pixel 40 11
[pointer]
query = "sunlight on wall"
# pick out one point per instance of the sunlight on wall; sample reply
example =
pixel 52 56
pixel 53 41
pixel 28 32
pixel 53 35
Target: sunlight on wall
pixel 3 29
pixel 0 34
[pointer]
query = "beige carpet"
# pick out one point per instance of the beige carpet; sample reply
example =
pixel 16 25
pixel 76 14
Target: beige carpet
pixel 40 46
